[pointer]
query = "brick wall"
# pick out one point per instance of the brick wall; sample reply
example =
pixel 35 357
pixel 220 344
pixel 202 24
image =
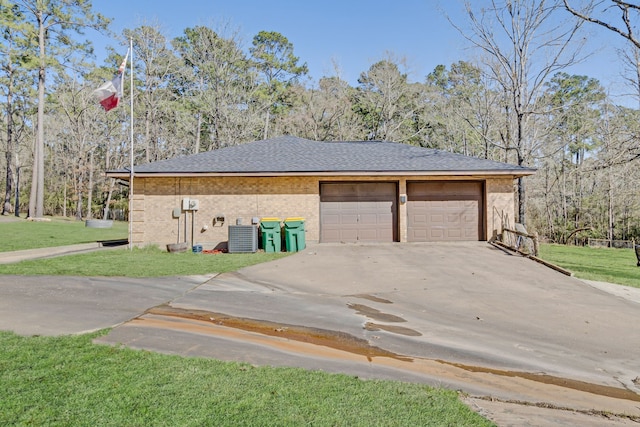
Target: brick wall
pixel 247 197
pixel 500 205
pixel 232 197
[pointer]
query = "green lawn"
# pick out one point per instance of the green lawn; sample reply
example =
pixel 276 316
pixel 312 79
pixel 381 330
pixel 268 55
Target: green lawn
pixel 140 262
pixel 23 234
pixel 145 262
pixel 600 264
pixel 66 381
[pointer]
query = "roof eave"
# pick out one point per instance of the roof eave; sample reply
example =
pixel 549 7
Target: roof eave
pixel 516 173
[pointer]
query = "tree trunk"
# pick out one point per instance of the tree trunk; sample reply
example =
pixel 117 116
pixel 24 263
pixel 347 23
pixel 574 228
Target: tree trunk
pixel 519 148
pixel 521 201
pixel 64 204
pixel 147 136
pixel 6 207
pixel 107 209
pixel 79 206
pixel 196 149
pixel 78 187
pixel 610 233
pixel 17 201
pixel 36 200
pixel 90 188
pixel 266 125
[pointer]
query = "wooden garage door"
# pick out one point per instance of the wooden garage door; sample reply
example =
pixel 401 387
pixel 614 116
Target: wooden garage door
pixel 444 211
pixel 358 212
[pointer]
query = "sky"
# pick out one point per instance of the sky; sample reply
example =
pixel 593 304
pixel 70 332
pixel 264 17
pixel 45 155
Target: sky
pixel 351 33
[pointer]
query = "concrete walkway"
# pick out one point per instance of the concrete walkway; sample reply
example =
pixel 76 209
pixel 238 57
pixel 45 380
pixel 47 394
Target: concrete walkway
pixel 27 254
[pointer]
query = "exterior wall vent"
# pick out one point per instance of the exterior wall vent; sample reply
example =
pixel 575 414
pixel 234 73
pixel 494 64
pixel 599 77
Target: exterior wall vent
pixel 243 238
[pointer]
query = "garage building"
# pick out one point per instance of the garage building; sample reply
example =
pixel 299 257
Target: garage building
pixel 347 191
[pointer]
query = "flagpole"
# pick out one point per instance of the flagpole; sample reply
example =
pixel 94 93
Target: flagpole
pixel 131 153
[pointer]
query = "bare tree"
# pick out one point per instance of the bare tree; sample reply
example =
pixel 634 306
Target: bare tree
pixel 323 113
pixel 523 44
pixel 51 24
pixel 215 86
pixel 15 82
pixel 628 13
pixel 154 67
pixel 387 102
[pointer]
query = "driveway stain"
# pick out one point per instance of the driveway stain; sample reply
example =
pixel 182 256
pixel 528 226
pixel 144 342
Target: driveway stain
pixel 350 344
pixel 375 314
pixel 371 298
pixel 598 389
pixel 374 327
pixel 333 339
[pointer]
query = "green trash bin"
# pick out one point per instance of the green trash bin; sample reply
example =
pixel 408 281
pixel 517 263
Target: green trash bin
pixel 294 238
pixel 271 237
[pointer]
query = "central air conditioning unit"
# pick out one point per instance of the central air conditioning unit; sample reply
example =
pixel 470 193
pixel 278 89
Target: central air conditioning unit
pixel 243 239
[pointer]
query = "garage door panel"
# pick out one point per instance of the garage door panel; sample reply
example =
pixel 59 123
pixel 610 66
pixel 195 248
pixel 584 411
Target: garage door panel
pixel 348 235
pixel 454 234
pixel 364 211
pixel 368 235
pixel 420 219
pixel 444 211
pixel 435 219
pixel 436 233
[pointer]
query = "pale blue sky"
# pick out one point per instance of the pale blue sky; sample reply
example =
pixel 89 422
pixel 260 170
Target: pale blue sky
pixel 354 33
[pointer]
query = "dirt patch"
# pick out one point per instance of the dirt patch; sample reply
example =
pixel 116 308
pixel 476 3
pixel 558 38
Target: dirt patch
pixel 533 389
pixel 333 339
pixel 601 390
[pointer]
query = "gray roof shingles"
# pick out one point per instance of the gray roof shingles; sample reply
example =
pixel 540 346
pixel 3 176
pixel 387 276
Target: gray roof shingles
pixel 289 154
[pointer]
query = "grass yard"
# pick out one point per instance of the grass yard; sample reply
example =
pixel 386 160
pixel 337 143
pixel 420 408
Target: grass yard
pixel 599 264
pixel 60 381
pixel 57 381
pixel 140 262
pixel 23 234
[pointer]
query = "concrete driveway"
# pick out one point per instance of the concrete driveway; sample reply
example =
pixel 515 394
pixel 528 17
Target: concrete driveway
pixel 59 305
pixel 518 337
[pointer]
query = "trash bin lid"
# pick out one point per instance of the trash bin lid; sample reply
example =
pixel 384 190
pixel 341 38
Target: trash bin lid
pixel 269 219
pixel 295 218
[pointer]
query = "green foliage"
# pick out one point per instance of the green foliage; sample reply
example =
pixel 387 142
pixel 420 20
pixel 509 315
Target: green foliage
pixel 21 235
pixel 274 57
pixel 150 261
pixel 574 102
pixel 204 90
pixel 70 381
pixel 599 264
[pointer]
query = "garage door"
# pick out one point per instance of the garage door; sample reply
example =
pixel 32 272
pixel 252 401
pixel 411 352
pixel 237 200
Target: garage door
pixel 444 211
pixel 358 212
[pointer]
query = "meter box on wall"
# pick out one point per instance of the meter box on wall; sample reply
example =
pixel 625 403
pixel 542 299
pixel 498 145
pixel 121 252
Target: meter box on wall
pixel 190 204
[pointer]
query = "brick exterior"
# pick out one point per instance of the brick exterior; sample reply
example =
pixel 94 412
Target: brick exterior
pixel 500 205
pixel 247 197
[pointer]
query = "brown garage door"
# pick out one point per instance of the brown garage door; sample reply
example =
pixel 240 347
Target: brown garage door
pixel 444 211
pixel 358 212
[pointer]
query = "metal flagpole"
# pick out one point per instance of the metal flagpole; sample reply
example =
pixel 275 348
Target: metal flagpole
pixel 131 153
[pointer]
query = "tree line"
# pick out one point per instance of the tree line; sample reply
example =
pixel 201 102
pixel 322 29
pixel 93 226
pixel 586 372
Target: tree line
pixel 205 89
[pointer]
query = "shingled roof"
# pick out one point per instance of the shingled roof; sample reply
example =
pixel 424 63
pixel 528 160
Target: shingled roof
pixel 291 155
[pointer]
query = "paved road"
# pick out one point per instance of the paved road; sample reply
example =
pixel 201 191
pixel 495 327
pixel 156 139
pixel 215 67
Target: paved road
pixel 466 316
